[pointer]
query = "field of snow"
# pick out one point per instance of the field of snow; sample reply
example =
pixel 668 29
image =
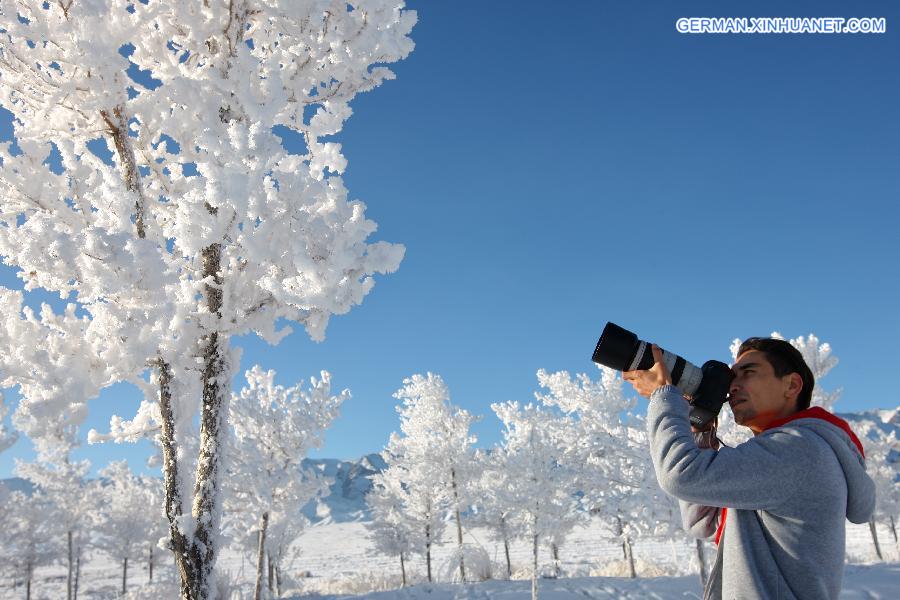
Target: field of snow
pixel 860 582
pixel 336 560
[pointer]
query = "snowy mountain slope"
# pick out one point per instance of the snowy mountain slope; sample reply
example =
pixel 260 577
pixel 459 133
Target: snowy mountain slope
pixel 16 484
pixel 889 418
pixel 347 498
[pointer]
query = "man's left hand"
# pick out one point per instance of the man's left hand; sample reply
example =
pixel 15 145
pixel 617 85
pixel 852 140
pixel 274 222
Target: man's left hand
pixel 645 382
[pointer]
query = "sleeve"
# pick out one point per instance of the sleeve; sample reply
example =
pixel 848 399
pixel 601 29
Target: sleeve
pixel 861 505
pixel 759 474
pixel 698 520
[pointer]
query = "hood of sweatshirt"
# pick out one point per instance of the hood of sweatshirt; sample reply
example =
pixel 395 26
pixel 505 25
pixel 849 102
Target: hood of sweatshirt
pixel 850 454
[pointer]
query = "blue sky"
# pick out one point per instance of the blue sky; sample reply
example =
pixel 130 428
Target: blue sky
pixel 553 166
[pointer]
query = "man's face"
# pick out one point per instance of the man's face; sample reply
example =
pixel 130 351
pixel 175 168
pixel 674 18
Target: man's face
pixel 757 396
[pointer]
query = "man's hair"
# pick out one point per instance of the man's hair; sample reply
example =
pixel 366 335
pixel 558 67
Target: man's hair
pixel 785 359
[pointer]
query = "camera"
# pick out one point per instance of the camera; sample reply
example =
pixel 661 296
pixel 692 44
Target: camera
pixel 707 386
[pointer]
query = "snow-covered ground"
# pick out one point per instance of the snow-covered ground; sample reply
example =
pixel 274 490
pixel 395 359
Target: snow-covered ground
pixel 337 560
pixel 870 582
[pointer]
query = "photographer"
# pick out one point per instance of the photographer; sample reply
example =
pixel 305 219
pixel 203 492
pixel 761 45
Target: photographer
pixel 788 490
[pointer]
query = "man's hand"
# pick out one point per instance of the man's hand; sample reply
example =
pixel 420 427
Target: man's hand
pixel 645 382
pixel 711 426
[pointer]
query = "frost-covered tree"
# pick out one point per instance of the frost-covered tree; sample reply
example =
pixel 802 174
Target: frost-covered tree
pixel 638 507
pixel 610 446
pixel 423 497
pixel 64 483
pixel 434 454
pixel 425 506
pixel 273 430
pixel 30 535
pixel 391 528
pixel 879 440
pixel 129 517
pixel 492 509
pixel 286 523
pixel 542 483
pixel 147 185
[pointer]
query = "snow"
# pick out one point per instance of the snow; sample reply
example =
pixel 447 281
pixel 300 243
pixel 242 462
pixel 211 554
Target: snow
pixel 871 582
pixel 340 561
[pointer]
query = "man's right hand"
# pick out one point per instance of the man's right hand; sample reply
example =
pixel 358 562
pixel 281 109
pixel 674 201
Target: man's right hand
pixel 712 425
pixel 706 437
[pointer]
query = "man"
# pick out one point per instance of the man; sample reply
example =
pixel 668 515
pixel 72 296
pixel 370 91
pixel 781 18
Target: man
pixel 788 490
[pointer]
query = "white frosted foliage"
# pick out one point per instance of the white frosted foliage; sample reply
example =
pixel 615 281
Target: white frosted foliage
pixel 130 520
pixel 74 499
pixel 147 186
pixel 541 480
pixel 294 245
pixel 882 448
pixel 610 445
pixel 273 428
pixel 393 530
pixel 429 470
pixel 30 536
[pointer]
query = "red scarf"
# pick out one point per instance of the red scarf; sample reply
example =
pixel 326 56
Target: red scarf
pixel 816 412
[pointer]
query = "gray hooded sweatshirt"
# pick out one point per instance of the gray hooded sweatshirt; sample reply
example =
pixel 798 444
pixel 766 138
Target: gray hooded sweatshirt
pixel 788 493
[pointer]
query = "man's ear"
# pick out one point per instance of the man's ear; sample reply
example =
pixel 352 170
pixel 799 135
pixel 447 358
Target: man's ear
pixel 794 386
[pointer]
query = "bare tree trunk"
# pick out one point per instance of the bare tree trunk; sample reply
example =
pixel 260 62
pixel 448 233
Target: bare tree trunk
pixel 71 564
pixel 151 563
pixel 402 571
pixel 77 574
pixel 505 536
pixel 278 579
pixel 181 546
pixel 631 570
pixel 875 538
pixel 701 558
pixel 187 557
pixel 261 554
pixel 620 529
pixel 459 537
pixel 28 587
pixel 270 577
pixel 554 552
pixel 428 550
pixel 117 128
pixel 124 574
pixel 894 529
pixel 216 385
pixel 508 562
pixel 534 563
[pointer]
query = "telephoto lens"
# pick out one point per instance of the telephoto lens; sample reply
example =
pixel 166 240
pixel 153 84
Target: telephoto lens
pixel 707 387
pixel 621 350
